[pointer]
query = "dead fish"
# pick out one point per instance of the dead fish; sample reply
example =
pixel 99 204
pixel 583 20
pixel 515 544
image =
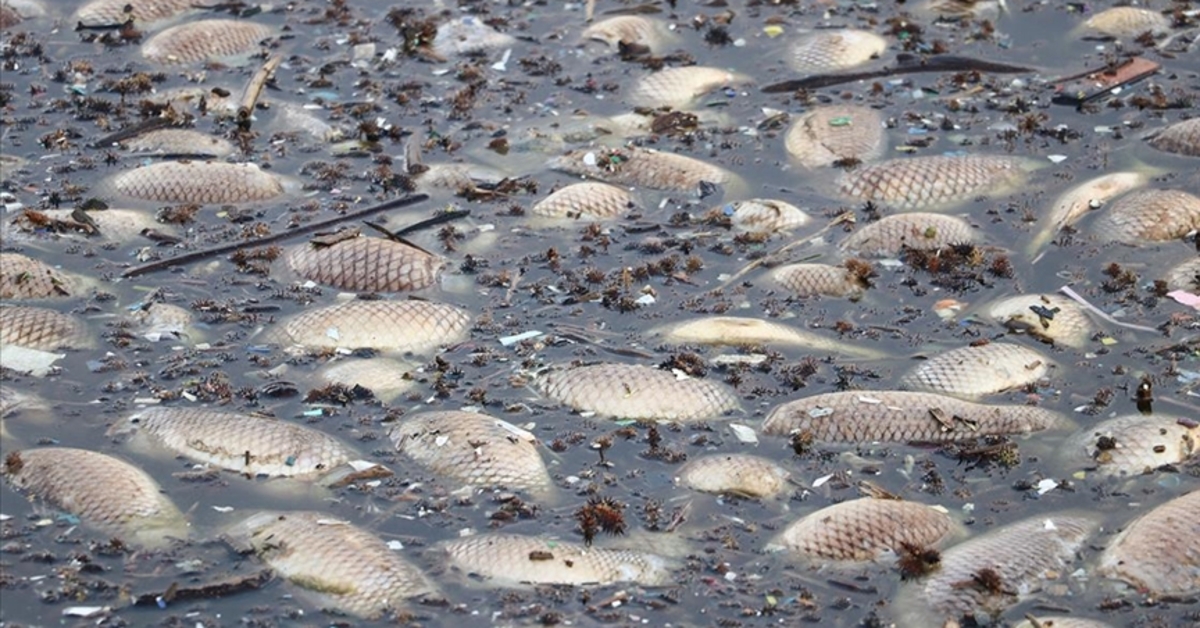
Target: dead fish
pixel 635 30
pixel 1181 138
pixel 177 142
pixel 112 225
pixel 455 177
pixel 737 331
pixel 366 264
pixel 744 475
pixel 236 442
pixel 384 377
pixel 43 329
pixel 888 236
pixel 867 416
pixel 1081 199
pixel 1150 216
pixel 966 9
pixel 1133 444
pixel 158 321
pixel 1048 317
pixel 1062 621
pixel 466 35
pixel 628 391
pixel 865 529
pixel 144 13
pixel 641 167
pixel 200 182
pixel 205 40
pixel 511 560
pixel 1126 23
pixel 393 326
pixel 339 565
pixel 822 51
pixel 827 135
pixel 1159 552
pixel 679 87
pixel 934 182
pixel 805 280
pixel 125 502
pixel 587 200
pixel 988 574
pixel 473 448
pixel 215 101
pixel 13 12
pixel 1185 276
pixel 23 277
pixel 972 372
pixel 760 214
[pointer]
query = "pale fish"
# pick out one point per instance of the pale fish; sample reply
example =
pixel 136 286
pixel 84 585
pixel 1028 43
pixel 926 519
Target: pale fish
pixel 1049 317
pixel 1079 200
pixel 389 326
pixel 1159 551
pixel 745 475
pixel 1133 444
pixel 827 135
pixel 680 87
pixel 511 560
pixel 865 529
pixel 936 182
pixel 889 235
pixel 198 182
pixel 972 372
pixel 1149 216
pixel 206 40
pixel 737 331
pixel 822 51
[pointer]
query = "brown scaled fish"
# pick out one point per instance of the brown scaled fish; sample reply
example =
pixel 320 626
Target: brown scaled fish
pixel 388 326
pixel 641 167
pixel 1159 552
pixel 888 236
pixel 198 182
pixel 972 372
pixel 205 40
pixel 23 277
pixel 1133 444
pixel 1149 216
pixel 865 529
pixel 744 475
pixel 1181 138
pixel 43 329
pixel 827 135
pixel 365 264
pixel 628 391
pixel 934 182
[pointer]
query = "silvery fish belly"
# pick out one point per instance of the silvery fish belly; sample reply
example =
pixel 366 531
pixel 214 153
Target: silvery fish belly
pixel 737 474
pixel 43 329
pixel 933 182
pixel 626 391
pixel 384 377
pixel 738 331
pixel 1047 316
pixel 205 40
pixel 805 280
pixel 392 326
pixel 23 277
pixel 827 135
pixel 1133 444
pixel 629 29
pixel 1149 216
pixel 824 51
pixel 865 529
pixel 366 264
pixel 888 236
pixel 144 13
pixel 107 494
pixel 640 167
pixel 179 142
pixel 972 372
pixel 1159 552
pixel 761 214
pixel 588 200
pixel 1182 138
pixel 866 416
pixel 473 448
pixel 679 87
pixel 1021 556
pixel 1185 276
pixel 1127 22
pixel 1079 200
pixel 236 442
pixel 509 560
pixel 199 182
pixel 341 565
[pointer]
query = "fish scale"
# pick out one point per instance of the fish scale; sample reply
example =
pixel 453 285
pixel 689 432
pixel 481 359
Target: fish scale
pixel 43 329
pixel 739 331
pixel 143 12
pixel 865 529
pixel 829 134
pixel 23 277
pixel 366 265
pixel 630 29
pixel 237 442
pixel 678 87
pixel 201 182
pixel 128 502
pixel 1150 216
pixel 1022 554
pixel 760 214
pixel 205 40
pixel 398 326
pixel 641 167
pixel 972 372
pixel 339 564
pixel 829 50
pixel 512 560
pixel 1159 551
pixel 866 416
pixel 918 230
pixel 738 474
pixel 805 280
pixel 1127 22
pixel 627 391
pixel 932 182
pixel 1182 138
pixel 1133 444
pixel 585 200
pixel 476 449
pixel 179 142
pixel 1081 199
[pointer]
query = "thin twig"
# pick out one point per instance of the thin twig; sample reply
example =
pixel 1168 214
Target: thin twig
pixel 188 258
pixel 1075 296
pixel 254 90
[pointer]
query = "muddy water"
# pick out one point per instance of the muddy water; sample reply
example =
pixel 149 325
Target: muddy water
pixel 59 96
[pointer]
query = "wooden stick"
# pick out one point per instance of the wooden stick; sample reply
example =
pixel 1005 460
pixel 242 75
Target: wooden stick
pixel 254 90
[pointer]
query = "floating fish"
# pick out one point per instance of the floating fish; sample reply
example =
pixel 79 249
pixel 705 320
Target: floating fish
pixel 384 377
pixel 737 474
pixel 1159 552
pixel 110 225
pixel 473 448
pixel 392 326
pixel 679 87
pixel 339 564
pixel 966 9
pixel 366 264
pixel 627 391
pixel 934 182
pixel 737 331
pixel 868 416
pixel 144 13
pixel 631 30
pixel 43 329
pixel 1045 316
pixel 1079 200
pixel 177 142
pixel 830 50
pixel 888 236
pixel 760 214
pixel 205 40
pixel 199 182
pixel 805 280
pixel 24 278
pixel 973 372
pixel 641 167
pixel 827 135
pixel 108 494
pixel 1133 444
pixel 510 560
pixel 865 529
pixel 588 200
pixel 1181 138
pixel 1150 216
pixel 1127 23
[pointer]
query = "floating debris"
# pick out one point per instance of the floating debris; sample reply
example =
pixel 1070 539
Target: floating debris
pixel 836 134
pixel 744 475
pixel 889 235
pixel 205 40
pixel 934 182
pixel 627 391
pixel 393 326
pixel 975 371
pixel 866 529
pixel 466 35
pixel 1150 216
pixel 1133 444
pixel 1137 555
pixel 201 182
pixel 1061 621
pixel 759 214
pixel 510 560
pixel 43 329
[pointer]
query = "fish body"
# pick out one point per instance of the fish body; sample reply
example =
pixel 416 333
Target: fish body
pixel 385 377
pixel 933 182
pixel 738 331
pixel 738 474
pixel 42 328
pixel 1159 551
pixel 629 29
pixel 1150 216
pixel 390 326
pixel 824 51
pixel 865 529
pixel 366 264
pixel 1127 22
pixel 1185 276
pixel 835 133
pixel 172 142
pixel 973 372
pixel 588 200
pixel 466 35
pixel 1181 138
pixel 889 235
pixel 198 182
pixel 641 167
pixel 1133 444
pixel 1081 199
pixel 679 87
pixel 1047 316
pixel 24 278
pixel 205 40
pixel 626 391
pixel 805 280
pixel 510 560
pixel 144 13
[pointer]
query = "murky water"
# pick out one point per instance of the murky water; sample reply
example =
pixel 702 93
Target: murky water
pixel 580 285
